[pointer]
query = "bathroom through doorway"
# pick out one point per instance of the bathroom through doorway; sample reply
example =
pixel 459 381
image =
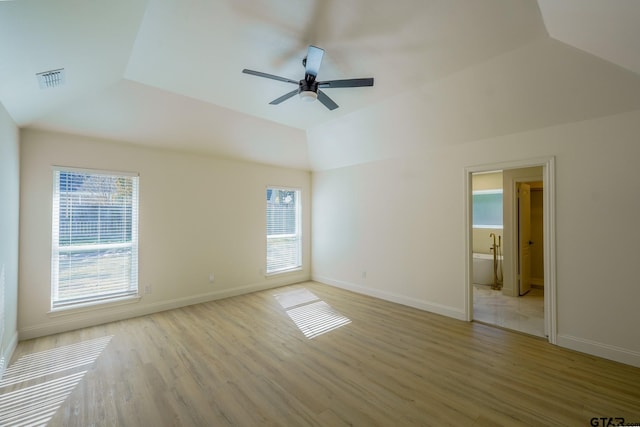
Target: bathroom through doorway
pixel 511 275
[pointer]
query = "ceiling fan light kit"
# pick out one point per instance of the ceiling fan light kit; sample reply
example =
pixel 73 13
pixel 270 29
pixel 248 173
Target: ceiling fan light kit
pixel 308 95
pixel 308 87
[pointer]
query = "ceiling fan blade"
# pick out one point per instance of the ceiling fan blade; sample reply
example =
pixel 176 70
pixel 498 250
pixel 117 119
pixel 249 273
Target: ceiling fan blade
pixel 347 83
pixel 269 76
pixel 284 97
pixel 313 61
pixel 326 101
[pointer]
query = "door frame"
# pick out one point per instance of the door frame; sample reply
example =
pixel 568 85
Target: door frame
pixel 549 232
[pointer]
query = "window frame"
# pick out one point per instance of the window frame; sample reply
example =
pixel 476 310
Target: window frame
pixel 133 287
pixel 297 234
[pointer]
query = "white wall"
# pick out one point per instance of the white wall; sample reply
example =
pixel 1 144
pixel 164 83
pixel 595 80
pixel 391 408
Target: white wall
pixel 402 222
pixel 9 205
pixel 393 204
pixel 198 215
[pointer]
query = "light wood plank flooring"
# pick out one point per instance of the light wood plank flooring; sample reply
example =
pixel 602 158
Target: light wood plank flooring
pixel 246 361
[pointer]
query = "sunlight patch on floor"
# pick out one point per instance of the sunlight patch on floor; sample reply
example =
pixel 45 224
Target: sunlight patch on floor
pixel 310 314
pixel 39 396
pixel 296 297
pixel 37 404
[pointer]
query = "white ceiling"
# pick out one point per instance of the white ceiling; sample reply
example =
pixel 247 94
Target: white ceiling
pixel 604 28
pixel 168 72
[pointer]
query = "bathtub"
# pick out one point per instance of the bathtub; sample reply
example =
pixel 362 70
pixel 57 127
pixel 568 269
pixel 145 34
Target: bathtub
pixel 483 268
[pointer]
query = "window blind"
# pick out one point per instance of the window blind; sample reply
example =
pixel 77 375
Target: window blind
pixel 283 230
pixel 94 237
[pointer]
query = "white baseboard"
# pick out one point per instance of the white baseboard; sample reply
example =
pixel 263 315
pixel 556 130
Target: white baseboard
pixel 5 357
pixel 393 297
pixel 60 323
pixel 594 348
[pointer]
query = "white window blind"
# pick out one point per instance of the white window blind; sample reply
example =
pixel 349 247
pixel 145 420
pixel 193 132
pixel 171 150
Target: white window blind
pixel 94 237
pixel 283 230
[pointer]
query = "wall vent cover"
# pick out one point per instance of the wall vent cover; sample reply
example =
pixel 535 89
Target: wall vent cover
pixel 49 79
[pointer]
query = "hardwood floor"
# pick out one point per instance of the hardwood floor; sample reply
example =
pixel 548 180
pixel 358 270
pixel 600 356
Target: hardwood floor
pixel 243 361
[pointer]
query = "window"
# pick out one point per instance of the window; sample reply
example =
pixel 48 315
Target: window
pixel 283 230
pixel 487 209
pixel 94 237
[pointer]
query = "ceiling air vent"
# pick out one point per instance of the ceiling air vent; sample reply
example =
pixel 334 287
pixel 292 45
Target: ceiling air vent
pixel 49 79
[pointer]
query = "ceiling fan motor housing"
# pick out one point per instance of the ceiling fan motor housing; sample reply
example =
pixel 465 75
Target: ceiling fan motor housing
pixel 308 86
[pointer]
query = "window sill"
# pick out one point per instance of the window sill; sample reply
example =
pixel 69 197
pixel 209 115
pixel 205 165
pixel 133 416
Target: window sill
pixel 279 272
pixel 91 306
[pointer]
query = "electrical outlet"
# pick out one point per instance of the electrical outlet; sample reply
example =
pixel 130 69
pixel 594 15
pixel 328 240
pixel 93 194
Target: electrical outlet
pixel 364 274
pixel 211 278
pixel 147 289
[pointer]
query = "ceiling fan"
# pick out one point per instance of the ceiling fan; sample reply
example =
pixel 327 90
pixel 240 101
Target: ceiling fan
pixel 309 88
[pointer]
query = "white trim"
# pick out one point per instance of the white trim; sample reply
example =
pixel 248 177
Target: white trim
pixel 97 247
pixel 94 171
pixel 468 245
pixel 283 271
pixel 431 307
pixel 282 187
pixel 513 164
pixel 549 224
pixel 93 305
pixel 549 230
pixel 599 349
pixel 96 317
pixel 5 357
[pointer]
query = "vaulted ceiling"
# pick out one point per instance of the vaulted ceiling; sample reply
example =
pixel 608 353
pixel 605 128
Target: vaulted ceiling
pixel 167 73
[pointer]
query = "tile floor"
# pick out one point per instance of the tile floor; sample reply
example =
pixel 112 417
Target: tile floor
pixel 524 314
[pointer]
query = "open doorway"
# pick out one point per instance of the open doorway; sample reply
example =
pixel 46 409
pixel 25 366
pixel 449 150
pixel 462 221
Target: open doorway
pixel 511 277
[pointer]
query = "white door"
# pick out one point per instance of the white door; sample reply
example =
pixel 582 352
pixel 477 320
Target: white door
pixel 524 238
